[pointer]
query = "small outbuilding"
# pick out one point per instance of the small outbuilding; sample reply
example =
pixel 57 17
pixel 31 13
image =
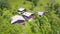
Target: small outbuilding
pixel 28 16
pixel 40 13
pixel 18 19
pixel 21 10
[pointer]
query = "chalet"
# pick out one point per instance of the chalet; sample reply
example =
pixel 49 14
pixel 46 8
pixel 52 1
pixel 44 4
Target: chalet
pixel 18 19
pixel 28 16
pixel 21 10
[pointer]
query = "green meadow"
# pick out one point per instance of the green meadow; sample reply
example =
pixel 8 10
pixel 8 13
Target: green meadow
pixel 49 23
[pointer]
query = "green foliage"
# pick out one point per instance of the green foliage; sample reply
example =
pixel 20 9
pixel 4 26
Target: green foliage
pixel 49 23
pixel 4 4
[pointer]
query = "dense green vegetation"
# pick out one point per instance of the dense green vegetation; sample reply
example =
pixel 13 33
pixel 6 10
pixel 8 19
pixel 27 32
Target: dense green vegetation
pixel 47 24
